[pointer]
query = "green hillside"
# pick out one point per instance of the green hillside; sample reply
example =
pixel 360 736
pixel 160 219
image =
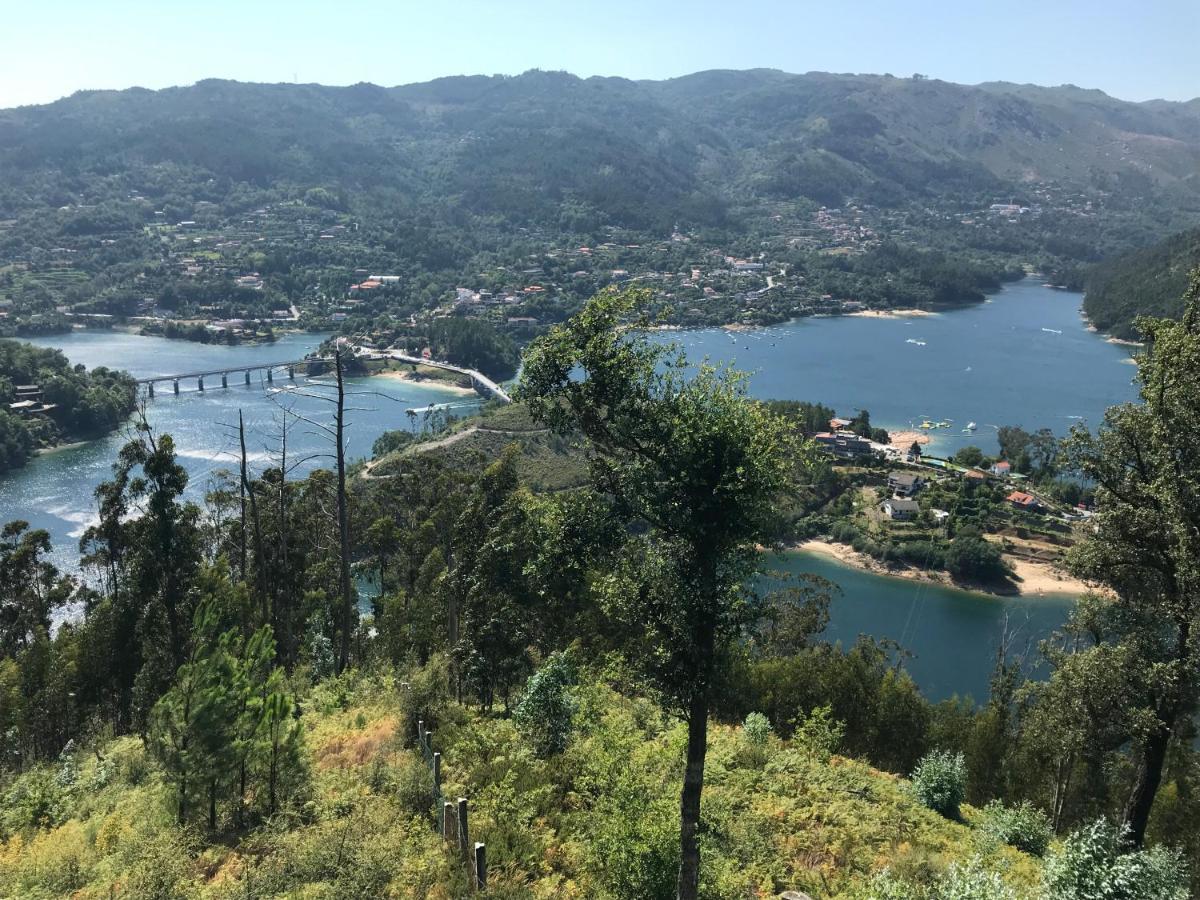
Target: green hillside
pixel 1147 282
pixel 595 822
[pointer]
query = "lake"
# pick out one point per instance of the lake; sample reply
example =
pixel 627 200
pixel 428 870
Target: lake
pixel 1025 357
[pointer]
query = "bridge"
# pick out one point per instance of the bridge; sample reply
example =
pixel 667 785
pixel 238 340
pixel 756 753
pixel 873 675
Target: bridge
pixel 481 382
pixel 289 366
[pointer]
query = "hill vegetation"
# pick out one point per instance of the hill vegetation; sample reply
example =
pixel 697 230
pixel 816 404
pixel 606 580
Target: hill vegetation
pixel 60 402
pixel 257 203
pixel 1149 282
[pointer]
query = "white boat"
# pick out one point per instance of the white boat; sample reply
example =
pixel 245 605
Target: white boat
pixel 1053 330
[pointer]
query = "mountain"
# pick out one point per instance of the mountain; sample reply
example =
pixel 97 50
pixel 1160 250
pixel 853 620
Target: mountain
pixel 641 153
pixel 1149 282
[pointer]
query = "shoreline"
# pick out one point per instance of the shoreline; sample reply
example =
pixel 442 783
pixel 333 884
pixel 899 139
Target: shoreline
pixel 890 314
pixel 401 375
pixel 1036 579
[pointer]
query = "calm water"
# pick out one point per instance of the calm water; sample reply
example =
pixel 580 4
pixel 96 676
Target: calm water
pixel 55 491
pixel 952 635
pixel 992 364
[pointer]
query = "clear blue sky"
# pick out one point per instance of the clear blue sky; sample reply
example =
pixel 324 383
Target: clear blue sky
pixel 1133 49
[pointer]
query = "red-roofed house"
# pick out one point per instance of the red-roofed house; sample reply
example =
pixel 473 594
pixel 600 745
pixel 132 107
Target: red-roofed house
pixel 1022 500
pixel 1001 468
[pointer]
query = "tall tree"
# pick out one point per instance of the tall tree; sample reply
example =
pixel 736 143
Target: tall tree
pixel 698 466
pixel 1145 537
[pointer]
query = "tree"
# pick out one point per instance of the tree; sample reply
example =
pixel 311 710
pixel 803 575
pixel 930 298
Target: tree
pixel 697 466
pixel 969 456
pixel 1145 539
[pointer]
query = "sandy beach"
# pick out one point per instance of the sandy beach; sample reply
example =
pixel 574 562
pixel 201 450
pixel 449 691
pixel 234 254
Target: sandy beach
pixel 905 439
pixel 892 313
pixel 1036 579
pixel 405 375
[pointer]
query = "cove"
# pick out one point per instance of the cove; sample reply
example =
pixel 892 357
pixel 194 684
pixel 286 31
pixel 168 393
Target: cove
pixel 953 635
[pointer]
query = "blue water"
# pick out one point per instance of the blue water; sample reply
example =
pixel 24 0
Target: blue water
pixel 55 491
pixel 952 635
pixel 992 364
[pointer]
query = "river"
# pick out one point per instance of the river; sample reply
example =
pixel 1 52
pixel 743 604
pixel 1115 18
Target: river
pixel 54 491
pixel 1024 357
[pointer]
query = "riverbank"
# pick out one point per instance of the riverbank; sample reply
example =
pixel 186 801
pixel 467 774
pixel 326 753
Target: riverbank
pixel 1033 579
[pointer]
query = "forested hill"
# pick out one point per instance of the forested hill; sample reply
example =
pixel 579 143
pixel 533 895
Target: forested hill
pixel 551 148
pixel 44 400
pixel 1148 282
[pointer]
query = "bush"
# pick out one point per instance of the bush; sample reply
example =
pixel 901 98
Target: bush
pixel 1097 861
pixel 547 708
pixel 757 729
pixel 819 732
pixel 960 882
pixel 1025 827
pixel 940 781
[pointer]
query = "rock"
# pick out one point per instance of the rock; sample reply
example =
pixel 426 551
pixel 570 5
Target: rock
pixel 794 895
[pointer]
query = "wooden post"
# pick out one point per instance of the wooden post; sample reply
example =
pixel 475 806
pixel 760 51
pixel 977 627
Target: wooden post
pixel 480 867
pixel 200 383
pixel 247 376
pixel 437 770
pixel 176 384
pixel 150 390
pixel 449 829
pixel 224 379
pixel 464 832
pixel 420 732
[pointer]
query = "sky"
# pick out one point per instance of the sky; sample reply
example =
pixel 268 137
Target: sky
pixel 1132 49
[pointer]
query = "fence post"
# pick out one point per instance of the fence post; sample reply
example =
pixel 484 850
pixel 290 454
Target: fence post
pixel 437 770
pixel 449 831
pixel 464 831
pixel 480 866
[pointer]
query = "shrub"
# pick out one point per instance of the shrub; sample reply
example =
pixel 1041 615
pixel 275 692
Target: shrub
pixel 1025 827
pixel 960 882
pixel 547 708
pixel 940 780
pixel 414 787
pixel 1097 861
pixel 756 729
pixel 819 732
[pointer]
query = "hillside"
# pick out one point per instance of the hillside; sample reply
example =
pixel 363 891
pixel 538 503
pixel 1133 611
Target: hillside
pixel 593 822
pixel 740 197
pixel 1149 282
pixel 641 152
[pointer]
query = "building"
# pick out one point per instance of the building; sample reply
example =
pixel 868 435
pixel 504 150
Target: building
pixel 845 444
pixel 905 484
pixel 1003 468
pixel 1022 500
pixel 901 510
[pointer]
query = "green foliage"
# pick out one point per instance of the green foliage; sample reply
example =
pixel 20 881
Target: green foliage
pixel 757 729
pixel 1145 282
pixel 548 706
pixel 1023 826
pixel 940 782
pixel 85 404
pixel 1097 861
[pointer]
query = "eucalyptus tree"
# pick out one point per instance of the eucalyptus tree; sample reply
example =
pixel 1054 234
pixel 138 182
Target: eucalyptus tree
pixel 1144 541
pixel 695 467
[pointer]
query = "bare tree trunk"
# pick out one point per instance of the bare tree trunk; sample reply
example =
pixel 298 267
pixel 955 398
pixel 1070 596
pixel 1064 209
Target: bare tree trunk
pixel 347 602
pixel 688 886
pixel 259 558
pixel 281 618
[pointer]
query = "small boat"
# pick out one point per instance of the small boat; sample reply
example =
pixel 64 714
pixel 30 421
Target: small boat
pixel 926 425
pixel 915 341
pixel 1053 330
pixel 971 426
